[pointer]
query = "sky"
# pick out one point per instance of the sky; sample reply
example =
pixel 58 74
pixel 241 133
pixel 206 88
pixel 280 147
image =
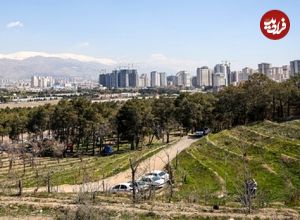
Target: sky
pixel 163 35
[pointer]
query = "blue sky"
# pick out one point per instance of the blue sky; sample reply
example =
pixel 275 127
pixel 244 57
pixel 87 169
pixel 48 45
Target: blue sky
pixel 162 34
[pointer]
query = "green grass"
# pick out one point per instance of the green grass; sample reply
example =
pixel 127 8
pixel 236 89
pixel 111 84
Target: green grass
pixel 72 170
pixel 215 164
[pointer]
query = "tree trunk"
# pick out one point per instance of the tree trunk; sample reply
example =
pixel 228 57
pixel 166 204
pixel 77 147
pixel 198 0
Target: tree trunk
pixel 118 141
pixel 274 107
pixel 94 143
pixel 133 167
pixel 48 183
pixel 288 108
pixel 168 137
pixel 137 141
pixel 20 188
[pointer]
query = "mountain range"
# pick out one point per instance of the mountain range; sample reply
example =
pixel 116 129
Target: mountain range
pixel 22 65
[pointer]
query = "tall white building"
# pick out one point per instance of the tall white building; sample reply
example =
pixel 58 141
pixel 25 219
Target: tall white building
pixel 144 80
pixel 183 79
pixel 223 69
pixel 264 68
pixel 286 72
pixel 219 80
pixel 204 76
pixel 155 79
pixel 34 82
pixel 163 79
pixel 221 75
pixel 42 81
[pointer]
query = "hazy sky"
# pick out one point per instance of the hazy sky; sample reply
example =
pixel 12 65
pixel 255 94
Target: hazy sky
pixel 163 34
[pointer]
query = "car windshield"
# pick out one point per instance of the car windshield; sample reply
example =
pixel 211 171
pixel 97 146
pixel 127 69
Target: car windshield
pixel 162 173
pixel 155 178
pixel 146 179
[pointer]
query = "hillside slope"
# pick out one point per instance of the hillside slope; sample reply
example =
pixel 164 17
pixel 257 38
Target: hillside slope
pixel 213 169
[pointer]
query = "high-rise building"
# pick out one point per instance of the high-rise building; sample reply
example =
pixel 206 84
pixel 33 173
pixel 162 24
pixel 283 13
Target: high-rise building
pixel 204 77
pixel 123 78
pixel 219 80
pixel 276 74
pixel 163 79
pixel 171 80
pixel 42 81
pixel 114 79
pixel 234 76
pixel 295 67
pixel 264 68
pixel 34 81
pixel 183 79
pixel 133 78
pixel 244 75
pixel 286 72
pixel 154 79
pixel 104 80
pixel 223 69
pixel 144 80
pixel 220 75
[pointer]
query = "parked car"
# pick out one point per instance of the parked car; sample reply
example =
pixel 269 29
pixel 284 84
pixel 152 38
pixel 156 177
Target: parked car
pixel 107 150
pixel 122 187
pixel 199 133
pixel 153 181
pixel 162 174
pixel 140 185
pixel 202 131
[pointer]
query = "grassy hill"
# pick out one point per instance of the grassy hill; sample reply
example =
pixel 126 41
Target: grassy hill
pixel 213 169
pixel 70 170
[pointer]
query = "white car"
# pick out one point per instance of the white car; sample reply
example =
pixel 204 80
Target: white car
pixel 159 173
pixel 140 185
pixel 154 181
pixel 122 187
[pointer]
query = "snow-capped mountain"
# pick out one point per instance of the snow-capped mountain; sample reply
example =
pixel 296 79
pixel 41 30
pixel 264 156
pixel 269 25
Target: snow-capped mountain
pixel 22 65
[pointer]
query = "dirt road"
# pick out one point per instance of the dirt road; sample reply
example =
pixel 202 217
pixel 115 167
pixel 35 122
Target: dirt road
pixel 158 209
pixel 155 162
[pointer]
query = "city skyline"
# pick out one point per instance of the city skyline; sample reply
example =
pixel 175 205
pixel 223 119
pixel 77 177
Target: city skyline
pixel 148 34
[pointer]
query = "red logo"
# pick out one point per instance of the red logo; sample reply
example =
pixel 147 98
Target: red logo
pixel 275 24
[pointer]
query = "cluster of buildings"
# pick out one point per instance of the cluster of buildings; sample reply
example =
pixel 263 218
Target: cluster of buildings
pixel 221 75
pixel 42 82
pixel 69 83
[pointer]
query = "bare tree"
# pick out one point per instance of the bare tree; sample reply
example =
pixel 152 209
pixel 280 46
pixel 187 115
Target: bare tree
pixel 169 168
pixel 134 166
pixel 247 189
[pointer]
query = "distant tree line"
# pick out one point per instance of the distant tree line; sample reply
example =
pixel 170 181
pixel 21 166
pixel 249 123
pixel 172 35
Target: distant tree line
pixel 138 121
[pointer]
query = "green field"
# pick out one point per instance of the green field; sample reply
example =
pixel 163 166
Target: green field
pixel 70 170
pixel 213 169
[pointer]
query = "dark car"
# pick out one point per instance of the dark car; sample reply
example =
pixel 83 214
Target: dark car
pixel 107 150
pixel 202 131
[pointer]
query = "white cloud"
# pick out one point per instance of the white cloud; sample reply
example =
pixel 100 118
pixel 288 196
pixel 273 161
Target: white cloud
pixel 84 44
pixel 83 58
pixel 15 24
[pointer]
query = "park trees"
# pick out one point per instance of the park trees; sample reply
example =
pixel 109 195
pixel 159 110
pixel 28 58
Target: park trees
pixel 133 119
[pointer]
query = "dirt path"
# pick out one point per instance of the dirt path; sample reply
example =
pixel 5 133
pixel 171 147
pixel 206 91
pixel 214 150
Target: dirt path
pixel 163 210
pixel 155 162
